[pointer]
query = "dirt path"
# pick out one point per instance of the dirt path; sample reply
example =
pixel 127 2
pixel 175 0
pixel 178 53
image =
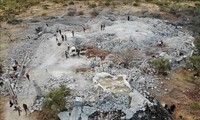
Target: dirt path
pixel 7 113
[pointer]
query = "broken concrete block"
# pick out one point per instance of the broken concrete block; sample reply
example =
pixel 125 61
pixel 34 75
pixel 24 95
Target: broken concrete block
pixel 63 115
pixel 89 110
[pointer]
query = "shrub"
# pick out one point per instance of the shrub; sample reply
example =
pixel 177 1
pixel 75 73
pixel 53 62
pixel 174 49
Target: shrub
pixel 135 4
pixel 92 5
pixel 14 21
pixel 197 44
pixel 71 13
pixel 194 64
pixel 80 13
pixel 55 101
pixel 107 4
pixel 71 3
pixel 156 15
pixel 45 7
pixel 94 13
pixel 161 65
pixel 196 106
pixel 44 14
pixel 127 57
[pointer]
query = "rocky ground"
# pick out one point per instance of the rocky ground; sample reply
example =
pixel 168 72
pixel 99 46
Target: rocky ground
pixel 100 76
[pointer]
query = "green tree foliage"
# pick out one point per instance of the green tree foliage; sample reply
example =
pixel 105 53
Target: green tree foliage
pixel 197 44
pixel 55 101
pixel 161 65
pixel 194 64
pixel 196 106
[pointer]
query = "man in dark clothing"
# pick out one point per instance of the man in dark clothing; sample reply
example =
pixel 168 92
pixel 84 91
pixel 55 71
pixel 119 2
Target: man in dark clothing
pixel 73 33
pixel 68 47
pixel 15 68
pixel 62 36
pixel 27 76
pixel 128 18
pixel 83 29
pixel 66 54
pixel 78 52
pixel 101 27
pixel 25 108
pixel 11 103
pixel 60 32
pixel 65 37
pixel 18 109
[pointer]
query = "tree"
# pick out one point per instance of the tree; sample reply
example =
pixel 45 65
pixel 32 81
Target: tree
pixel 127 57
pixel 197 44
pixel 9 35
pixel 55 101
pixel 194 64
pixel 161 65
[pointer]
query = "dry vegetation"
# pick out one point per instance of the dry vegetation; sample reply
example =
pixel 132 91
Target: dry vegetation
pixel 184 88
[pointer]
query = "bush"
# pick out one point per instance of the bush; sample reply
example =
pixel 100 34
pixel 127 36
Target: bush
pixel 80 13
pixel 94 13
pixel 14 21
pixel 194 64
pixel 161 65
pixel 92 5
pixel 55 101
pixel 107 4
pixel 71 3
pixel 44 14
pixel 135 4
pixel 45 7
pixel 71 13
pixel 127 57
pixel 196 106
pixel 197 44
pixel 156 15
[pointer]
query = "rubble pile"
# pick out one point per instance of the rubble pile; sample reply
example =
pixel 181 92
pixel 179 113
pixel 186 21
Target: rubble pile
pixel 37 105
pixel 110 90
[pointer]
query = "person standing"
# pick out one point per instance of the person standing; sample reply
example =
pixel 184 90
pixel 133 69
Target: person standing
pixel 68 47
pixel 104 26
pixel 73 33
pixel 65 37
pixel 66 54
pixel 25 108
pixel 11 103
pixel 18 109
pixel 59 31
pixel 27 76
pixel 84 29
pixel 62 36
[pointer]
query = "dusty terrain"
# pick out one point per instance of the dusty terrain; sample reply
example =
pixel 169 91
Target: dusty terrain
pixel 181 89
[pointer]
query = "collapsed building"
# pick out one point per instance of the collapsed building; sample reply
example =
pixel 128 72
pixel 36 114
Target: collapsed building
pixel 103 88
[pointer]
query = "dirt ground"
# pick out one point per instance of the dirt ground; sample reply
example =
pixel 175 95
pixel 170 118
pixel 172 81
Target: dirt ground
pixel 183 91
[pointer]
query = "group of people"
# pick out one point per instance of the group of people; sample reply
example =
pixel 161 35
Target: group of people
pixel 15 68
pixel 103 26
pixel 13 102
pixel 63 37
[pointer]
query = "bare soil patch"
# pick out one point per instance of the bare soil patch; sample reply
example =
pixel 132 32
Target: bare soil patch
pixel 182 91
